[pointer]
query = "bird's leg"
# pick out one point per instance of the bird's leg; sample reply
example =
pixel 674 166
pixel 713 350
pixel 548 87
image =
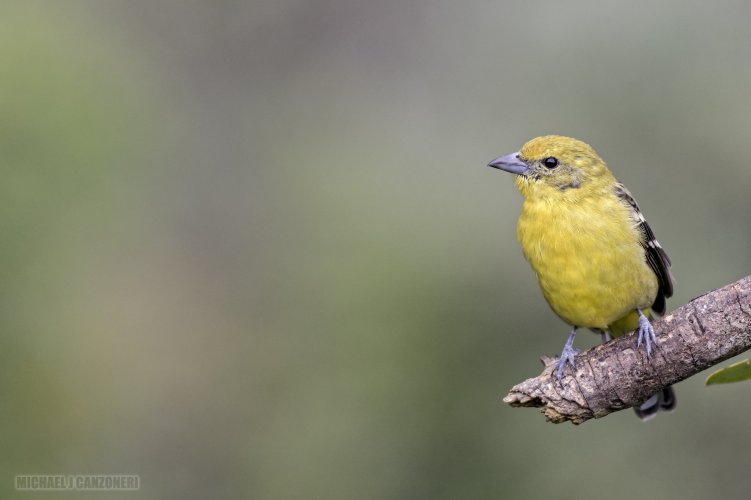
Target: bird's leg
pixel 646 333
pixel 567 355
pixel 604 335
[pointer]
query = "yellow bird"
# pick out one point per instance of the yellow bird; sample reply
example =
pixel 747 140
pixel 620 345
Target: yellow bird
pixel 597 261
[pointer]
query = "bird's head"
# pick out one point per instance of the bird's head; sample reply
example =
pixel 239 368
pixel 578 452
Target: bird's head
pixel 554 162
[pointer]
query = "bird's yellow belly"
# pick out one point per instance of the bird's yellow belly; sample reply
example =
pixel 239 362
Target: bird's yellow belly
pixel 589 276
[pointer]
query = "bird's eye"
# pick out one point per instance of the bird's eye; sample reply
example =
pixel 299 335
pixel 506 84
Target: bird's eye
pixel 550 162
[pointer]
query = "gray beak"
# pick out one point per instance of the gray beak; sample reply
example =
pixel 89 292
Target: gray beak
pixel 510 163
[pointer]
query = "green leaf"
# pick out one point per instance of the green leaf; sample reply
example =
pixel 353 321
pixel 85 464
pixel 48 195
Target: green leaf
pixel 733 373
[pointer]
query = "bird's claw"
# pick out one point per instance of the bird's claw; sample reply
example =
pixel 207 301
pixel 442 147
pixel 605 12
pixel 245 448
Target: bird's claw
pixel 646 334
pixel 567 356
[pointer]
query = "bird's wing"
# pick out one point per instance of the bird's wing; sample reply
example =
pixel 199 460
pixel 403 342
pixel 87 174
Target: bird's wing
pixel 657 259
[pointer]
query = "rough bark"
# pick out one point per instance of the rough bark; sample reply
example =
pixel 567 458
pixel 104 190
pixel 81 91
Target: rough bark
pixel 617 375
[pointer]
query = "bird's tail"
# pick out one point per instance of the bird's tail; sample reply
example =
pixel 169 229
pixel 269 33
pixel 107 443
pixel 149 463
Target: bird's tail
pixel 662 401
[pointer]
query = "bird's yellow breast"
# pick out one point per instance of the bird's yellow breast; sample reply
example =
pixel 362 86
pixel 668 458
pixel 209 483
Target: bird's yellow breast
pixel 588 259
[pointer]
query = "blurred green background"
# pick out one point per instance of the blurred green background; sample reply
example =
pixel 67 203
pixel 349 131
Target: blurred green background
pixel 252 249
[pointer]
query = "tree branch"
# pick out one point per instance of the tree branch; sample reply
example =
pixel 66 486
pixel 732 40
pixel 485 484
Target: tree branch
pixel 616 375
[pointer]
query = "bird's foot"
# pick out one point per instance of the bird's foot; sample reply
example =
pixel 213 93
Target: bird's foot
pixel 646 333
pixel 567 356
